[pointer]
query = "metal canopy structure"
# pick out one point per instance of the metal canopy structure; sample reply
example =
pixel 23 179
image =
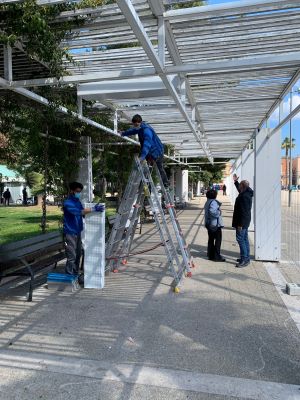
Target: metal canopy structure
pixel 204 77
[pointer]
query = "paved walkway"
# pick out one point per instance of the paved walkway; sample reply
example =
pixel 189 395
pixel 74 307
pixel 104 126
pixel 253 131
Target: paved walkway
pixel 227 335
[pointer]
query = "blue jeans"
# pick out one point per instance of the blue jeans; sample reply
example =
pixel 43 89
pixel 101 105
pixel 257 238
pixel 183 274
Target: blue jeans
pixel 243 241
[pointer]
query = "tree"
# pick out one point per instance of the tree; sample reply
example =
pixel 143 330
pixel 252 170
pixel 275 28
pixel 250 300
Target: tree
pixel 184 4
pixel 287 145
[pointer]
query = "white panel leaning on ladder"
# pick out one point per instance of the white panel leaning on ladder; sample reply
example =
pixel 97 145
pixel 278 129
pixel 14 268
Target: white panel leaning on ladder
pixel 139 186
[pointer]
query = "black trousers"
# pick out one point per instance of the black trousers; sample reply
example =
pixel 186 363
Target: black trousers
pixel 160 166
pixel 214 244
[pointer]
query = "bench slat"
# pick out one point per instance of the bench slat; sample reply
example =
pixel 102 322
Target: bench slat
pixel 22 252
pixel 29 241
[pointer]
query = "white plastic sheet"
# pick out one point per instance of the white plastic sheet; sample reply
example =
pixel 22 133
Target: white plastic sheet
pixel 94 249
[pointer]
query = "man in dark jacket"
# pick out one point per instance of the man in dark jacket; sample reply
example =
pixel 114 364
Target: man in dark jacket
pixel 241 221
pixel 152 148
pixel 73 225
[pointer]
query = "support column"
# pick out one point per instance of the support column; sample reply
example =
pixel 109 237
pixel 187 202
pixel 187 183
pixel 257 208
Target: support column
pixel 116 122
pixel 267 189
pixel 8 69
pixel 85 175
pixel 182 184
pixel 161 40
pixel 172 184
pixel 198 192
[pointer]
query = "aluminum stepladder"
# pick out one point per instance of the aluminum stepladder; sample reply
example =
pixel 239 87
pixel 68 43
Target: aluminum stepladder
pixel 139 185
pixel 174 220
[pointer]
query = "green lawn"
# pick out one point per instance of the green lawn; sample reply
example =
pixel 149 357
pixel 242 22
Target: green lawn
pixel 17 223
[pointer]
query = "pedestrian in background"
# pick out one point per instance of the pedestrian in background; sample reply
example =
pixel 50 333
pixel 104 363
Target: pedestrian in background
pixel 241 220
pixel 7 197
pixel 214 225
pixel 25 196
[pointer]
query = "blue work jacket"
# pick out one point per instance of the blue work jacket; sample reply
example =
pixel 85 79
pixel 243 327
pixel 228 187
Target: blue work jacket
pixel 150 142
pixel 73 222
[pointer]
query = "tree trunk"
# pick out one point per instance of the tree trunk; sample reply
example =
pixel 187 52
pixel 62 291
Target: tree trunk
pixel 44 198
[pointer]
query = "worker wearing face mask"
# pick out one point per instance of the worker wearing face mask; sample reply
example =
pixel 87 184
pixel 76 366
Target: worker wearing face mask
pixel 73 226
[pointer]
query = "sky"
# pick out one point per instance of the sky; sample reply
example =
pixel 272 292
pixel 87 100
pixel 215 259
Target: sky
pixel 295 122
pixel 209 2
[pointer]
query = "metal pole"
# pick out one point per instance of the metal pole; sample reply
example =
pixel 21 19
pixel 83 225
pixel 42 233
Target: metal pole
pixel 290 158
pixel 116 122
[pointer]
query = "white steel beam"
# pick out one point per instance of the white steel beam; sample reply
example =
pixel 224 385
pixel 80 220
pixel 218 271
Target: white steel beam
pixel 219 9
pixel 42 100
pixel 161 40
pixel 138 29
pixel 285 60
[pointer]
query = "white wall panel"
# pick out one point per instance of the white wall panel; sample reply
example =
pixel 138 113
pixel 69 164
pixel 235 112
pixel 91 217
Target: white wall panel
pixel 267 189
pixel 94 249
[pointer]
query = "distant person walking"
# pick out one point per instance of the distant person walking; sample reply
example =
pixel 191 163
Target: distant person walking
pixel 7 197
pixel 241 221
pixel 213 224
pixel 224 190
pixel 25 196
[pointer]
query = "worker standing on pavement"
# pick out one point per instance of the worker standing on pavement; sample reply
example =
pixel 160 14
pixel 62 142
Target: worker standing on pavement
pixel 73 226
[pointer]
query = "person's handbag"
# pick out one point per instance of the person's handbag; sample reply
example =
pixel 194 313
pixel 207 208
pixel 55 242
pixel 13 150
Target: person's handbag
pixel 211 228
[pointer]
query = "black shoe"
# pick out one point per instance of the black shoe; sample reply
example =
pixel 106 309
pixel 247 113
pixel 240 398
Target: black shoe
pixel 239 260
pixel 221 259
pixel 242 264
pixel 81 279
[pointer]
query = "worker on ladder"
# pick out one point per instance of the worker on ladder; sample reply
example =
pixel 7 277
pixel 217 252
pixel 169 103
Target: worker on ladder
pixel 152 148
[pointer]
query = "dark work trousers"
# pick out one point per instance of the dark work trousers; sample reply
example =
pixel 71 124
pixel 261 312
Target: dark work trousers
pixel 159 162
pixel 214 244
pixel 73 253
pixel 6 202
